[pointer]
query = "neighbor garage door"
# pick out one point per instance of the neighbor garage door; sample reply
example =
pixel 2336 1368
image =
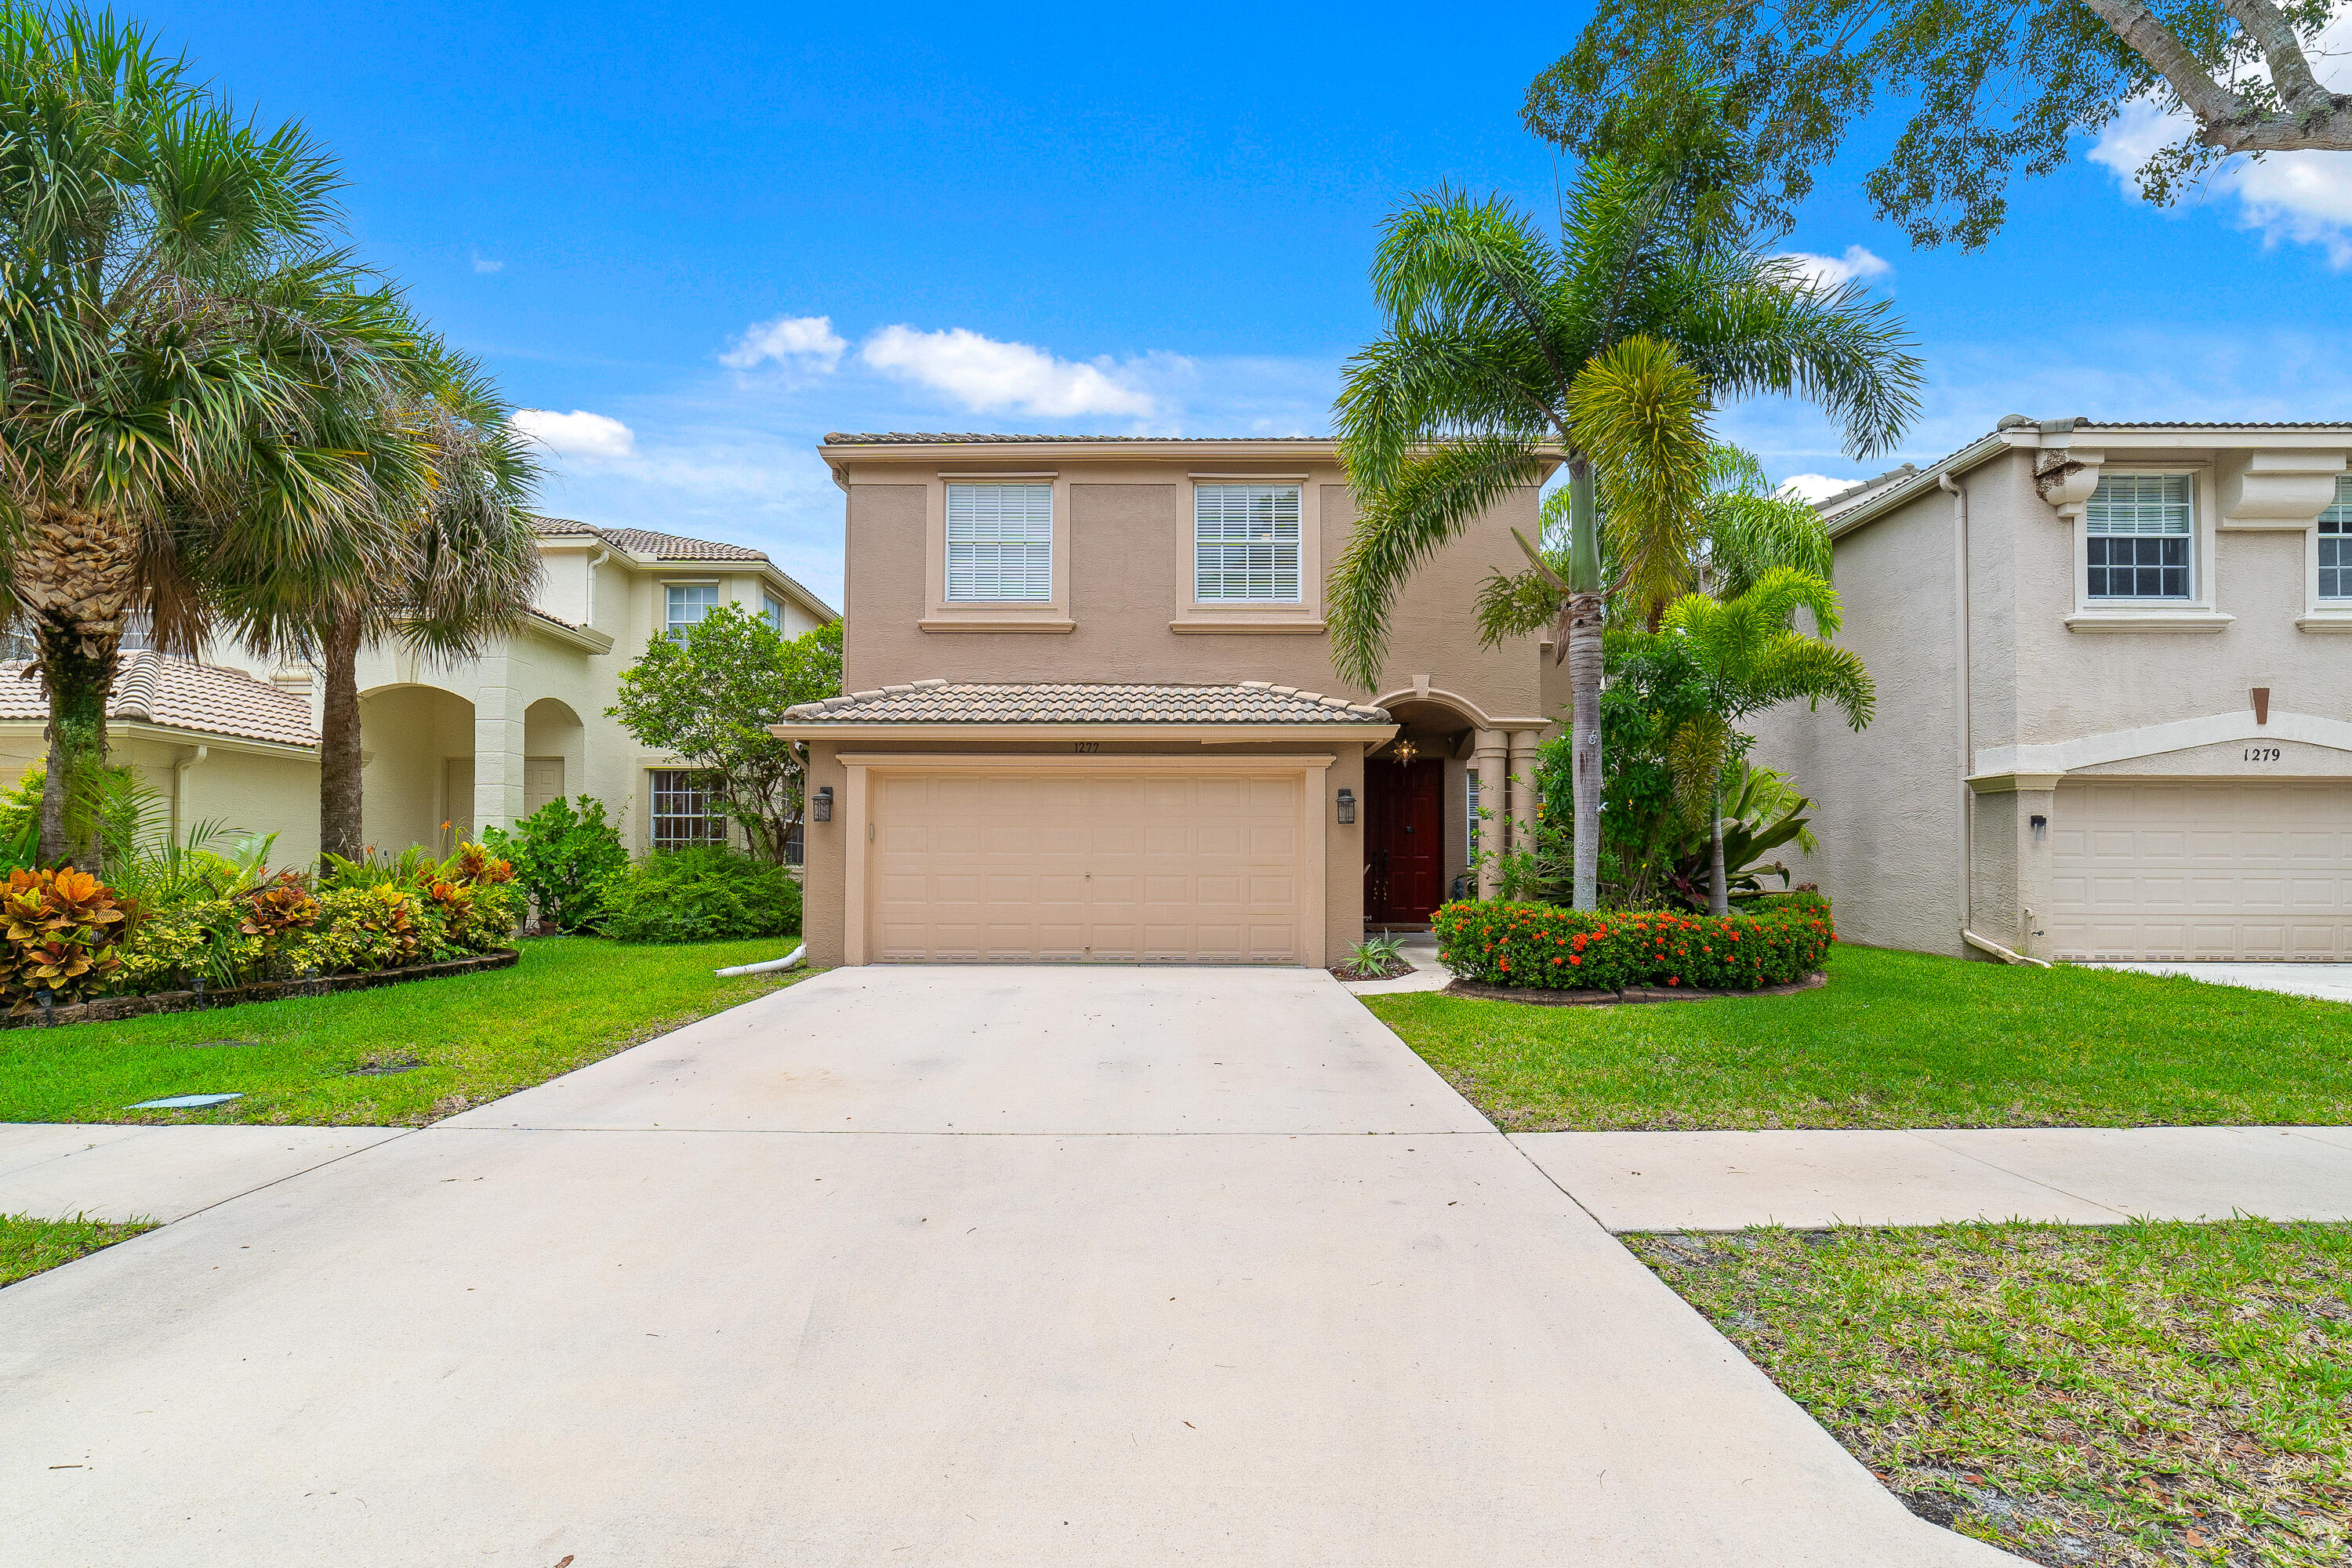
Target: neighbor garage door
pixel 2201 870
pixel 1176 866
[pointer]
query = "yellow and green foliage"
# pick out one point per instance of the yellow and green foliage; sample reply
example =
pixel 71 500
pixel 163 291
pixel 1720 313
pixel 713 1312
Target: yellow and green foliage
pixel 72 936
pixel 63 928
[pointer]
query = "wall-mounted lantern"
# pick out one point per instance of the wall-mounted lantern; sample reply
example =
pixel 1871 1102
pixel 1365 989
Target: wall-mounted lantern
pixel 820 810
pixel 2041 825
pixel 1347 807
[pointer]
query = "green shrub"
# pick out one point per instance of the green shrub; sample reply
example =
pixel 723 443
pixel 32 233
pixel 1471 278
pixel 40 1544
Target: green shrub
pixel 1553 949
pixel 64 932
pixel 564 857
pixel 701 895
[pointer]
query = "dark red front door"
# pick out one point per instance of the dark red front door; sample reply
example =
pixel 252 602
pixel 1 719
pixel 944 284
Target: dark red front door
pixel 1405 840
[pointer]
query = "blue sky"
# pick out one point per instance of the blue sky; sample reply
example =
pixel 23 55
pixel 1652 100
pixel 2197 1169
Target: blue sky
pixel 1097 220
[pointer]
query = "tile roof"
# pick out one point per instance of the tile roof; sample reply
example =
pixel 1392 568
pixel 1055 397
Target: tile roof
pixel 937 438
pixel 179 694
pixel 1073 702
pixel 646 541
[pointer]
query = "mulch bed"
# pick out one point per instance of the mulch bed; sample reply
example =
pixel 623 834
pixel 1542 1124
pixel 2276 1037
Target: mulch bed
pixel 1539 997
pixel 1396 971
pixel 107 1008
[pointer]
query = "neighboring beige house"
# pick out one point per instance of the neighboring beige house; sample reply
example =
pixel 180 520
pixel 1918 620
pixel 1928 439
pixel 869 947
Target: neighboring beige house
pixel 2113 718
pixel 469 743
pixel 1092 712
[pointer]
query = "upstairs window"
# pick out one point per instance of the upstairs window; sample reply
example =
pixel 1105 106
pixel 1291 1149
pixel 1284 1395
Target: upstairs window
pixel 1001 544
pixel 689 602
pixel 1246 544
pixel 2335 545
pixel 686 811
pixel 2139 536
pixel 771 610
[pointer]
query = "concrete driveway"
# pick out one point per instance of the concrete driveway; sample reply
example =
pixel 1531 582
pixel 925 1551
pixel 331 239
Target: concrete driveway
pixel 2327 981
pixel 921 1265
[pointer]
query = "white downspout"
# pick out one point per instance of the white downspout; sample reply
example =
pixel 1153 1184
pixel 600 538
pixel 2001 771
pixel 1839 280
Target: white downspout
pixel 1960 680
pixel 762 967
pixel 180 788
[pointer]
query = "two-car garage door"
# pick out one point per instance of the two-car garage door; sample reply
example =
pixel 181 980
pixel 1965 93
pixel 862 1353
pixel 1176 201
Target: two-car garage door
pixel 1180 866
pixel 2186 869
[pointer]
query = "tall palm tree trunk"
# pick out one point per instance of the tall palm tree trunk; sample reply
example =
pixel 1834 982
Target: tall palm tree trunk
pixel 78 581
pixel 1718 895
pixel 1584 614
pixel 339 742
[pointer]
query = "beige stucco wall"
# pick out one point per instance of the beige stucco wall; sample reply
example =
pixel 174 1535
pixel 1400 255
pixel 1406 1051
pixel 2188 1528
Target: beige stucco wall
pixel 1890 798
pixel 240 791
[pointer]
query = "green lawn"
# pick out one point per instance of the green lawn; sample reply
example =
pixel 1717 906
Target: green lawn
pixel 1900 1040
pixel 28 1245
pixel 2148 1394
pixel 451 1043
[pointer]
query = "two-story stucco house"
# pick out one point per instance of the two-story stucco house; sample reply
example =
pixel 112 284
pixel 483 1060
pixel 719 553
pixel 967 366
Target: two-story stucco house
pixel 2112 715
pixel 449 746
pixel 1091 711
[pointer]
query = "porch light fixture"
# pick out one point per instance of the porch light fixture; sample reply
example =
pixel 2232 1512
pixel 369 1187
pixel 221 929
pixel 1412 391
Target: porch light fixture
pixel 1403 751
pixel 1347 807
pixel 820 810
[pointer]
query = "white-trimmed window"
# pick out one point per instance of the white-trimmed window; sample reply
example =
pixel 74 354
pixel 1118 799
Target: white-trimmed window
pixel 2140 538
pixel 1471 778
pixel 1001 544
pixel 1246 544
pixel 2335 542
pixel 685 810
pixel 689 602
pixel 771 610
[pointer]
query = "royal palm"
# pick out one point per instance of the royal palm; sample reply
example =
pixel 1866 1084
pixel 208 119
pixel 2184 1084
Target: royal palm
pixel 1506 350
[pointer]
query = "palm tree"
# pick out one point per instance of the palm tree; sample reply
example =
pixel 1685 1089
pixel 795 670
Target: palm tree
pixel 169 318
pixel 1752 657
pixel 1505 351
pixel 449 477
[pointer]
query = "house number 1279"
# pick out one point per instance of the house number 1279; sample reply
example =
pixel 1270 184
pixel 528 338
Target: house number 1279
pixel 2262 753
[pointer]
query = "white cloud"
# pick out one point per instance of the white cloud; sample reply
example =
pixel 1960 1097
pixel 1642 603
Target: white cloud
pixel 799 341
pixel 592 437
pixel 485 264
pixel 2305 197
pixel 1829 271
pixel 991 377
pixel 1813 488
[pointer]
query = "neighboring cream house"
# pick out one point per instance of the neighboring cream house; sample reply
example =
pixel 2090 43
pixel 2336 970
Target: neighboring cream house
pixel 470 744
pixel 1091 711
pixel 2113 718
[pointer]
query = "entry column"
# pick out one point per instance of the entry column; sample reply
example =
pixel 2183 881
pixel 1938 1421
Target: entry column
pixel 1490 758
pixel 1523 790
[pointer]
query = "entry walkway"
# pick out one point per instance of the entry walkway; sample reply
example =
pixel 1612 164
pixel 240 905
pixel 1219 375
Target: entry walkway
pixel 923 1266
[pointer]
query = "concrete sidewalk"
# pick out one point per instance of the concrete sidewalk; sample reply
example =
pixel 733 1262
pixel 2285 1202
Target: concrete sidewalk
pixel 980 1265
pixel 97 1171
pixel 2087 1175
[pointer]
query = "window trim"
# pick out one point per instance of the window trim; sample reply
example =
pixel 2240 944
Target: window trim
pixel 718 588
pixel 2324 615
pixel 1053 544
pixel 941 613
pixel 1298 596
pixel 2194 614
pixel 1302 615
pixel 655 816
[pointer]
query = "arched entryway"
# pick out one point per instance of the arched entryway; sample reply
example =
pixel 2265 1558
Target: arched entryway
pixel 555 745
pixel 1420 835
pixel 418 778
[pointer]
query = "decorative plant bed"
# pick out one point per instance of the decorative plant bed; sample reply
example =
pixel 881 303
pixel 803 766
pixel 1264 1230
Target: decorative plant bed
pixel 1541 997
pixel 106 1008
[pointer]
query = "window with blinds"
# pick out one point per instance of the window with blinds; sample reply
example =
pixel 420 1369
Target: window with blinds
pixel 1246 544
pixel 2139 537
pixel 1000 543
pixel 2335 545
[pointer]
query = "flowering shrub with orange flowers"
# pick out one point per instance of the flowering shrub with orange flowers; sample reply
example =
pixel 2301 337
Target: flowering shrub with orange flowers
pixel 1549 948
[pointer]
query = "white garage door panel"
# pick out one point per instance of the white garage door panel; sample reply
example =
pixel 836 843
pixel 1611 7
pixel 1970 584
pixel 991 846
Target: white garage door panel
pixel 1117 867
pixel 2216 870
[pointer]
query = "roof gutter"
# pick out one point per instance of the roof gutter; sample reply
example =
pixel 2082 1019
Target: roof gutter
pixel 1920 483
pixel 1206 734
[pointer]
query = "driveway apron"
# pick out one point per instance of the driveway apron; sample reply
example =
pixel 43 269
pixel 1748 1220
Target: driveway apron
pixel 953 1266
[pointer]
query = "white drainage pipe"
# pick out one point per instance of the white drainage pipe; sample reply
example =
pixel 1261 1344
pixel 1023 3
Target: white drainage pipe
pixel 762 967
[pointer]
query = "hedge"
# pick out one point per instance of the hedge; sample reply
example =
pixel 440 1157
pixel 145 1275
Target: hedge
pixel 1549 948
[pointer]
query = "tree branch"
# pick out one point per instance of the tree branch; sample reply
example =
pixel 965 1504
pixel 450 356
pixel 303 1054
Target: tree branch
pixel 2298 90
pixel 2314 119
